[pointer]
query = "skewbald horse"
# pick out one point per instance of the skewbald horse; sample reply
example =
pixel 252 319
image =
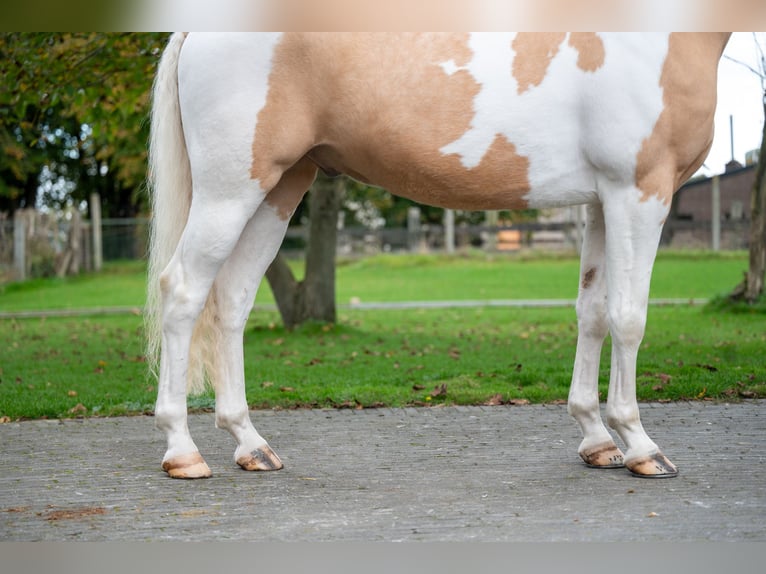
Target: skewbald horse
pixel 242 122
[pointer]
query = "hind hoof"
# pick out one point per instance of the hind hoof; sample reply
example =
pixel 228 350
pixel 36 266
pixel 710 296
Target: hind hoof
pixel 187 466
pixel 605 455
pixel 653 466
pixel 262 458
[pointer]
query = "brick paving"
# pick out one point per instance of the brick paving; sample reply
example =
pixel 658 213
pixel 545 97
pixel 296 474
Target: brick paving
pixel 505 473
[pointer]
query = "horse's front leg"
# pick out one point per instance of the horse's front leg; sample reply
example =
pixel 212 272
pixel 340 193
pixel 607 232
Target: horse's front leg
pixel 597 449
pixel 633 229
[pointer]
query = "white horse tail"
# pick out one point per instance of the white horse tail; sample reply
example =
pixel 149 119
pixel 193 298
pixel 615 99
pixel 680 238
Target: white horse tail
pixel 170 186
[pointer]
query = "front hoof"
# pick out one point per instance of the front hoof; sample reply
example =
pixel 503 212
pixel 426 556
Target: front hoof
pixel 605 455
pixel 653 466
pixel 262 458
pixel 187 466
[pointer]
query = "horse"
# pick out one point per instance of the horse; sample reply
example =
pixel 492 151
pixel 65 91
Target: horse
pixel 241 123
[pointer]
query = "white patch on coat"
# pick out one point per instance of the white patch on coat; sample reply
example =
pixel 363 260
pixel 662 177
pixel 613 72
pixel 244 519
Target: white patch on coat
pixel 572 125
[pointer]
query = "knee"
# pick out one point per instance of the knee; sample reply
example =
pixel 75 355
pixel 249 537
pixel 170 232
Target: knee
pixel 627 325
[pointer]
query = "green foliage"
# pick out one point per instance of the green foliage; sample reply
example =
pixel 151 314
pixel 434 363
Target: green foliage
pixel 76 104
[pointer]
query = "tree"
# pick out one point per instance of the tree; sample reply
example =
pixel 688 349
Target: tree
pixel 751 288
pixel 73 108
pixel 313 298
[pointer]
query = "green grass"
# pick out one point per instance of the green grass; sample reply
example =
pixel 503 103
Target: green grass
pixel 94 366
pixel 407 278
pixel 120 284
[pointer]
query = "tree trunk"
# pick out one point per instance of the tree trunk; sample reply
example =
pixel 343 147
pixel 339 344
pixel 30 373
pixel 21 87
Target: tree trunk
pixel 312 299
pixel 752 287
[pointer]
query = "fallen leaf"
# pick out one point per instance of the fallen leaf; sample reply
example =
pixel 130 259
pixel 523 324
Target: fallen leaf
pixel 286 389
pixel 78 409
pixel 747 394
pixel 267 384
pixel 518 402
pixel 652 515
pixel 495 400
pixel 72 393
pixel 417 387
pixel 4 420
pixel 439 390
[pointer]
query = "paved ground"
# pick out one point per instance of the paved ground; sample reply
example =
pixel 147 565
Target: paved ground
pixel 447 474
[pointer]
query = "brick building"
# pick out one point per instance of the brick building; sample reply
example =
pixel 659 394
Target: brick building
pixel 689 224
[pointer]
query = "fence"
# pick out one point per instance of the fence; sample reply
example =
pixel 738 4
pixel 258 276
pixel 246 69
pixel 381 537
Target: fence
pixel 34 244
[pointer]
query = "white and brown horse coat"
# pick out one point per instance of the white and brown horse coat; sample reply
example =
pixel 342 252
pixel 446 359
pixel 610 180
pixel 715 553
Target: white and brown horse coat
pixel 241 122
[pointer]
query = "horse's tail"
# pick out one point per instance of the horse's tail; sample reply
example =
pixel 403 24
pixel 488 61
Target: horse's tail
pixel 170 185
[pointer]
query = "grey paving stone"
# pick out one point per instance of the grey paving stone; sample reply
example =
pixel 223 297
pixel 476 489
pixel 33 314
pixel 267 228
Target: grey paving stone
pixel 506 473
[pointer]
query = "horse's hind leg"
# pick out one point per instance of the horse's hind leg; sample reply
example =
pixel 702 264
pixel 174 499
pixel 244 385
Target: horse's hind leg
pixel 235 290
pixel 597 448
pixel 212 230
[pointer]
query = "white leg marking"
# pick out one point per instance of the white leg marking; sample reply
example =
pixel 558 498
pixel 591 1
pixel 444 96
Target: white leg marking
pixel 633 231
pixel 236 287
pixel 597 448
pixel 210 235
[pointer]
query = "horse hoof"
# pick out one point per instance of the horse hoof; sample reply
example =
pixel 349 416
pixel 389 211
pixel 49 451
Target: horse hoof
pixel 262 458
pixel 187 466
pixel 653 466
pixel 605 455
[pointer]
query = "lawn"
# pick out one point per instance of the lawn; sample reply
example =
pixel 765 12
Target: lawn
pixel 406 278
pixel 58 367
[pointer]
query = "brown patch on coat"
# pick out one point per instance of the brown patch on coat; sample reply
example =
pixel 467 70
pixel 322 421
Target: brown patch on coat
pixel 587 278
pixel 590 50
pixel 534 53
pixel 683 133
pixel 379 107
pixel 291 188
